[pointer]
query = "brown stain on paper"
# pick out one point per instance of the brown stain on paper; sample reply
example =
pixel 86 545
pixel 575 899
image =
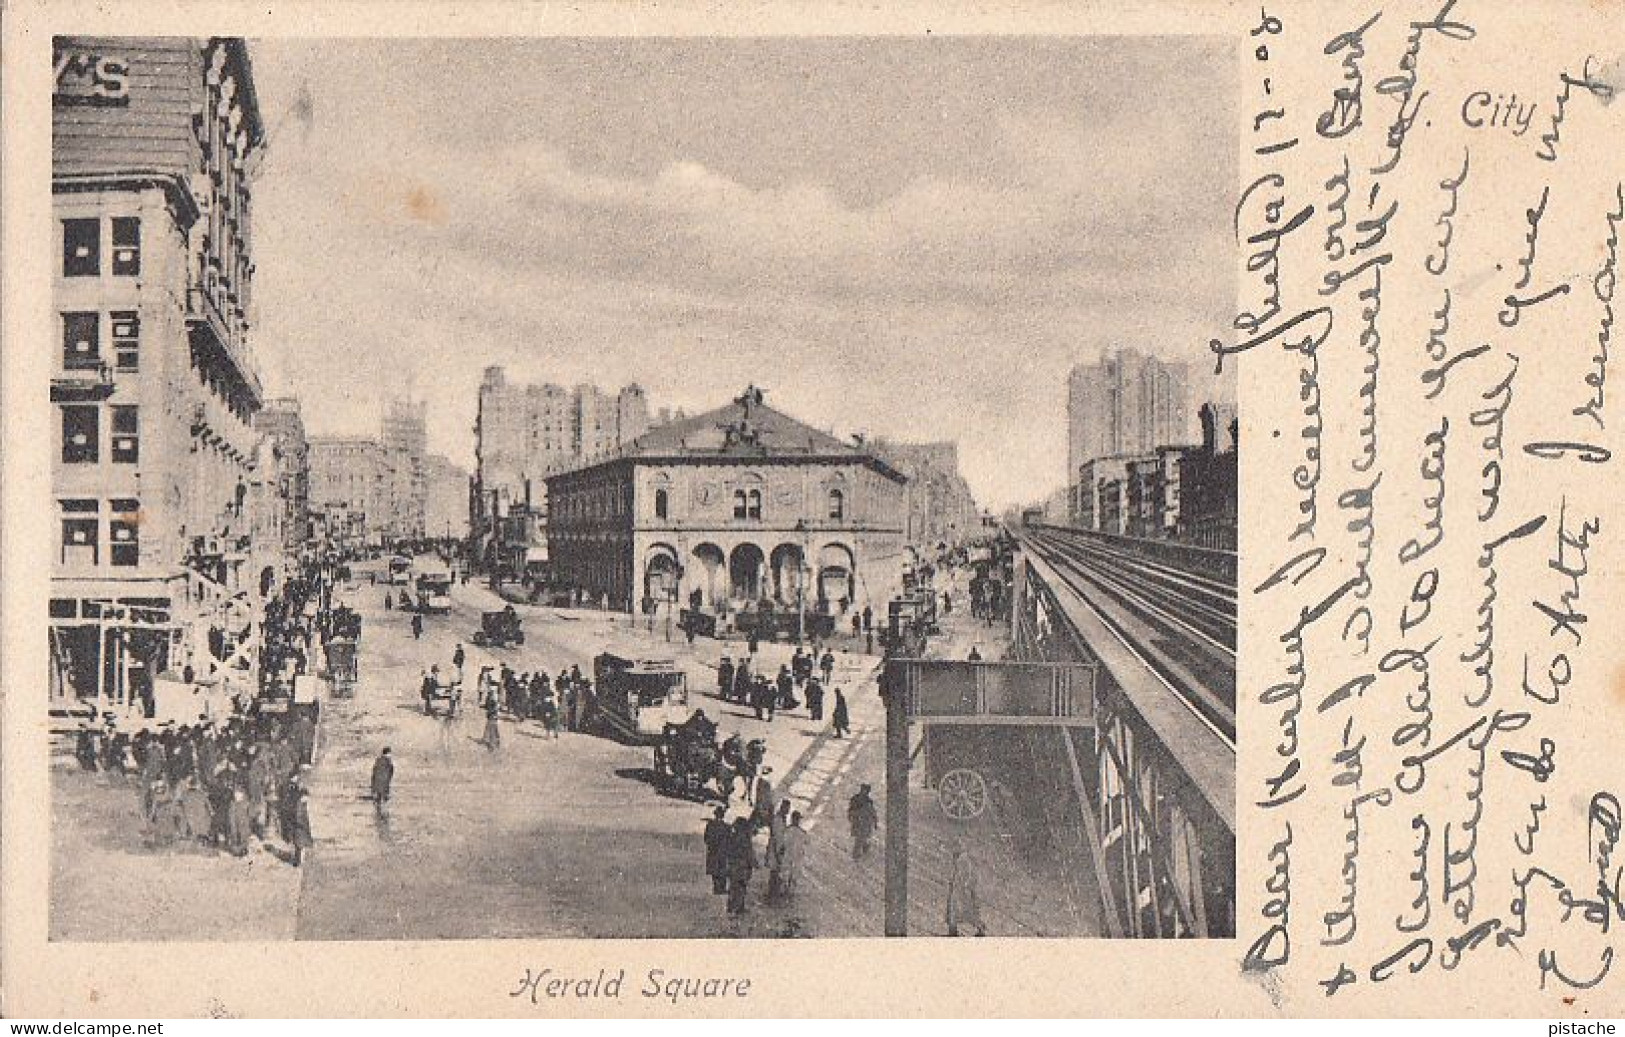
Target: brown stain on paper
pixel 424 206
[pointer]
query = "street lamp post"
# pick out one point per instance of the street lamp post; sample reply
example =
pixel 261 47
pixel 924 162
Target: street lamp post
pixel 801 585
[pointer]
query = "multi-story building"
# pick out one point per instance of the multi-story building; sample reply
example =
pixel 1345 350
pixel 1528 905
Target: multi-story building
pixel 527 432
pixel 445 505
pixel 941 509
pixel 281 420
pixel 1128 403
pixel 1185 493
pixel 730 507
pixel 154 385
pixel 350 486
pixel 403 438
pixel 1209 505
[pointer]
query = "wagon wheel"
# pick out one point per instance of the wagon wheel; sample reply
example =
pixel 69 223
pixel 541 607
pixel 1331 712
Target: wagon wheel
pixel 963 794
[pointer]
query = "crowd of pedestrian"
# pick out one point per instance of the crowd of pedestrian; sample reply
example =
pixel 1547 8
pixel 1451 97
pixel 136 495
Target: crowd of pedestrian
pixel 217 787
pixel 806 680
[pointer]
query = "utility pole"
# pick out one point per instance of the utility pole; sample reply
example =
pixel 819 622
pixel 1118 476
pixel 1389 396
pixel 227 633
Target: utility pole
pixel 891 692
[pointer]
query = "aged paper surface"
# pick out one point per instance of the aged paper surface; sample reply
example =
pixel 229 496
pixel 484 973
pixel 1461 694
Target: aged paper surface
pixel 1422 206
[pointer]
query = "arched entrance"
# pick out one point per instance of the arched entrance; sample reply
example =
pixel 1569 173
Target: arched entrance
pixel 746 572
pixel 660 573
pixel 786 565
pixel 707 571
pixel 837 574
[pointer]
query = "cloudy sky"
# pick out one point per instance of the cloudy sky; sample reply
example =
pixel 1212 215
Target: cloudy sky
pixel 908 237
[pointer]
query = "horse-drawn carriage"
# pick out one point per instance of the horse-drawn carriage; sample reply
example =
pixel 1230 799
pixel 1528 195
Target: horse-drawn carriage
pixel 444 697
pixel 341 665
pixel 688 761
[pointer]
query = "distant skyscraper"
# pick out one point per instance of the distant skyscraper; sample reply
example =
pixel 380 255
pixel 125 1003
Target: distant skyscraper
pixel 1128 403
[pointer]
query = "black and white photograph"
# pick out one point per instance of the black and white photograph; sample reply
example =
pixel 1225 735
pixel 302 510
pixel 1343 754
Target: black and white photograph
pixel 642 487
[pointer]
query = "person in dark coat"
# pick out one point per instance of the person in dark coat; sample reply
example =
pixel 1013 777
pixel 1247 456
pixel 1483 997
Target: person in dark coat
pixel 725 679
pixel 862 818
pixel 417 625
pixel 718 834
pixel 786 688
pixel 383 774
pixel 826 665
pixel 815 698
pixel 302 837
pixel 237 830
pixel 841 718
pixel 741 862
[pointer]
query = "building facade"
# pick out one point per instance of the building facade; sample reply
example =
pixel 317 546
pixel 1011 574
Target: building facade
pixel 1185 493
pixel 280 419
pixel 154 386
pixel 403 439
pixel 445 513
pixel 941 509
pixel 524 434
pixel 728 508
pixel 350 484
pixel 1128 403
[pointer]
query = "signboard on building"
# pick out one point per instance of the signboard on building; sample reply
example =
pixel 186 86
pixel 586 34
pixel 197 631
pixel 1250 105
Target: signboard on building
pixel 90 77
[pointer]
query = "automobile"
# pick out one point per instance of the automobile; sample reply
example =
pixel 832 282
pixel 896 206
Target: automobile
pixel 499 629
pixel 400 570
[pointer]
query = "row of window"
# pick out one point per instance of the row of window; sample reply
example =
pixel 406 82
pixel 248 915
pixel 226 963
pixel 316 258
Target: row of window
pixel 82 532
pixel 82 246
pixel 748 504
pixel 81 433
pixel 82 344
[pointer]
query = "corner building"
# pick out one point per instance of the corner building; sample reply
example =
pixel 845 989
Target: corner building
pixel 737 504
pixel 154 387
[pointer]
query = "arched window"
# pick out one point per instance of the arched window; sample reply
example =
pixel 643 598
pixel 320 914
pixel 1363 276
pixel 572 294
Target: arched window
pixel 753 504
pixel 741 507
pixel 837 505
pixel 660 504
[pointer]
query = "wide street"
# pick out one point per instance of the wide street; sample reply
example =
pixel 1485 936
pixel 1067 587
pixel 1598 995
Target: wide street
pixel 542 837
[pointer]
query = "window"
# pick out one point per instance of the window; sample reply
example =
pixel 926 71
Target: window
pixel 126 340
pixel 741 508
pixel 80 532
pixel 661 504
pixel 81 248
pixel 80 434
pixel 753 504
pixel 126 245
pixel 81 341
pixel 837 505
pixel 126 435
pixel 125 532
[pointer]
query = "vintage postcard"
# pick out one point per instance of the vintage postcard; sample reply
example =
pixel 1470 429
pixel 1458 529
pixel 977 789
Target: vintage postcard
pixel 514 510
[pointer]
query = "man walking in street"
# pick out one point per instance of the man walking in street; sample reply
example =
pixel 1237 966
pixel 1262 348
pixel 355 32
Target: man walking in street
pixel 725 679
pixel 457 660
pixel 964 907
pixel 741 862
pixel 492 740
pixel 795 852
pixel 863 818
pixel 717 836
pixel 763 801
pixel 841 719
pixel 383 774
pixel 301 836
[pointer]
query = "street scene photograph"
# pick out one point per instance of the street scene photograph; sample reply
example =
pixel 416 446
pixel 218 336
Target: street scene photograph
pixel 590 487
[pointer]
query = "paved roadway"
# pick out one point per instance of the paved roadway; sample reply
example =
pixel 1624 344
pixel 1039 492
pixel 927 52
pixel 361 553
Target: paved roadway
pixel 542 838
